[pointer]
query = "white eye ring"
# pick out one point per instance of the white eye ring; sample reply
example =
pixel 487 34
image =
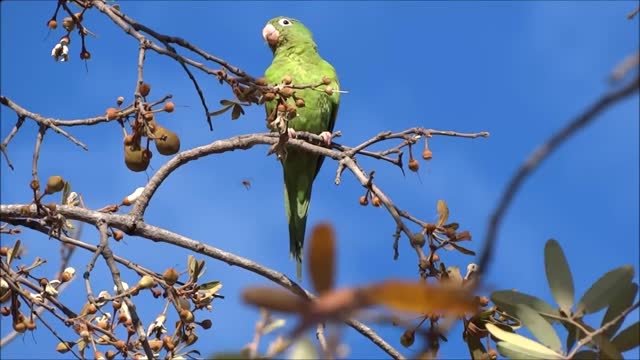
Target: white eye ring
pixel 285 22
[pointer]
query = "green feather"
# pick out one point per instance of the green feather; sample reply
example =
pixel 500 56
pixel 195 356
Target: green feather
pixel 296 55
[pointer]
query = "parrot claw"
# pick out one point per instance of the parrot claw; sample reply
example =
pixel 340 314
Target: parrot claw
pixel 292 133
pixel 326 137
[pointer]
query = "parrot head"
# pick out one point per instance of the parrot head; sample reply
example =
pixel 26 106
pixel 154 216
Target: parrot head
pixel 283 31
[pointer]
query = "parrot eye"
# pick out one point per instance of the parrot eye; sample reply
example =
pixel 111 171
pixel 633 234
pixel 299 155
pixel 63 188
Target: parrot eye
pixel 285 22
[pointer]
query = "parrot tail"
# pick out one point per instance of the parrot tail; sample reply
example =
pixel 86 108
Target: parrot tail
pixel 297 194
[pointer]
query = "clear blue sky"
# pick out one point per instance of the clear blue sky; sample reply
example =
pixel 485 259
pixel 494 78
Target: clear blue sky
pixel 519 70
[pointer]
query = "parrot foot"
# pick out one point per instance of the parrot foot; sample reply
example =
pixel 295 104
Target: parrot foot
pixel 326 137
pixel 292 133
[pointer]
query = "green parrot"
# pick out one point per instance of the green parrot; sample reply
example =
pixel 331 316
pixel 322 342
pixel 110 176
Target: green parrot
pixel 295 56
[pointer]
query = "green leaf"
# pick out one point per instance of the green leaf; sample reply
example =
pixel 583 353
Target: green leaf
pixel 237 111
pixel 602 291
pixel 585 355
pixel 477 351
pixel 443 212
pixel 507 299
pixel 463 249
pixel 227 102
pixel 559 276
pixel 14 252
pixel 303 349
pixel 526 346
pixel 618 304
pixel 628 338
pixel 539 327
pixel 512 351
pixel 65 192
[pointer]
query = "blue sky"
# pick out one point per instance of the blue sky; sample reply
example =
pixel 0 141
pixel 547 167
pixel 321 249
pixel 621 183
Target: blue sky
pixel 519 70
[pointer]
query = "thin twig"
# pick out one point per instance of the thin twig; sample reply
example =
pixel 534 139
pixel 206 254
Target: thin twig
pixel 541 154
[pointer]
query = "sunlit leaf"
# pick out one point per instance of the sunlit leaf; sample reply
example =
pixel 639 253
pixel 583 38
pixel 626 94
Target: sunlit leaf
pixel 443 212
pixel 14 252
pixel 602 291
pixel 274 299
pixel 272 326
pixel 210 288
pixel 303 349
pixel 618 304
pixel 559 276
pixel 607 349
pixel 539 327
pixel 418 297
pixel 321 255
pixel 463 249
pixel 512 351
pixel 628 338
pixel 527 347
pixel 507 299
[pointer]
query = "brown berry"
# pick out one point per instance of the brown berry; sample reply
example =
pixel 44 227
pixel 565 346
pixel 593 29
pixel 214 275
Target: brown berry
pixel 78 16
pixel 286 92
pixel 363 200
pixel 282 108
pixel 169 107
pixel 119 100
pixel 269 96
pixel 326 80
pixel 43 282
pixel 155 344
pixel 5 311
pixel 68 23
pixel 435 257
pixel 85 55
pixel 168 343
pixel 118 235
pixel 407 338
pixel 34 184
pixel 287 80
pixel 328 90
pixel 54 184
pixel 20 327
pixel 167 142
pixel 484 301
pixel 144 89
pixel 63 347
pixel 206 324
pixel 4 251
pixel 134 158
pixel 376 201
pixel 414 165
pixel 427 154
pixel 170 276
pixel 128 140
pixel 31 325
pixel 112 113
pixel 261 81
pixel 186 316
pixel 52 24
pixel 417 240
pixel 299 103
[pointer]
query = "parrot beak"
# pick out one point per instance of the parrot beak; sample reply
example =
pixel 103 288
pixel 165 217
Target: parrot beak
pixel 270 34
